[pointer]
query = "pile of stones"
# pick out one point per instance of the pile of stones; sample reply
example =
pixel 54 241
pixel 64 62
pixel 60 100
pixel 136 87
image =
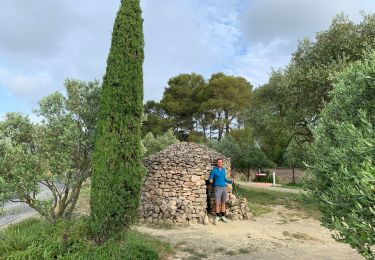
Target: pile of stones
pixel 176 188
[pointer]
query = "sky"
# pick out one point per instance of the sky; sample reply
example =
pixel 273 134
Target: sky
pixel 44 42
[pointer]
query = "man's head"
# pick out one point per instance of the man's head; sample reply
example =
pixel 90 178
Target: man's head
pixel 219 162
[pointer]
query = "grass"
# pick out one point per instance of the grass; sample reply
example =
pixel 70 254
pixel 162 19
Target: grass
pixel 194 254
pixel 244 251
pixel 37 239
pixel 261 201
pixel 83 204
pixel 231 253
pixel 291 185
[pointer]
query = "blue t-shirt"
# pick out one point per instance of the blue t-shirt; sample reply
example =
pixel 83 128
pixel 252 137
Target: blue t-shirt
pixel 219 177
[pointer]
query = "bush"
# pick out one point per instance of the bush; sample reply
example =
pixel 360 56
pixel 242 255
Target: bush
pixel 196 137
pixel 343 171
pixel 37 239
pixel 153 145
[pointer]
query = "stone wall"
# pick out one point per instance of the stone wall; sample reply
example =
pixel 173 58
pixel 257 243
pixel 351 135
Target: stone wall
pixel 175 189
pixel 284 175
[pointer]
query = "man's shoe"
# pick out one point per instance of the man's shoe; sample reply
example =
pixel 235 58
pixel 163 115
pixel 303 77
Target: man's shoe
pixel 224 219
pixel 216 220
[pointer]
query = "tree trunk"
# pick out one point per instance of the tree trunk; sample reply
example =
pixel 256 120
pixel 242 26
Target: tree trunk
pixel 69 212
pixel 204 131
pixel 220 134
pixel 227 121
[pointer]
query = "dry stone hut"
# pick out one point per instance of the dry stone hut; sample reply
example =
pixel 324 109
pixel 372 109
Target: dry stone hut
pixel 176 189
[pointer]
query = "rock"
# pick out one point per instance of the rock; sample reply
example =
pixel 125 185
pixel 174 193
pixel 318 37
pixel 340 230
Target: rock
pixel 206 220
pixel 195 178
pixel 230 215
pixel 172 209
pixel 164 207
pixel 166 214
pixel 230 203
pixel 168 221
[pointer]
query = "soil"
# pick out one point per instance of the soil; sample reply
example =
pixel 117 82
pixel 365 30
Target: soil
pixel 281 234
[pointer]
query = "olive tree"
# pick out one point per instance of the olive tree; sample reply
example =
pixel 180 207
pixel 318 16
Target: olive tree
pixel 54 154
pixel 343 170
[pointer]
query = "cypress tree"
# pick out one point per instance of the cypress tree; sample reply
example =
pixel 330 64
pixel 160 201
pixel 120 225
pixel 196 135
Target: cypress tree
pixel 117 161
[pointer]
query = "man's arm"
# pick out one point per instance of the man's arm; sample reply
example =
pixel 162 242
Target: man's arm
pixel 211 178
pixel 228 181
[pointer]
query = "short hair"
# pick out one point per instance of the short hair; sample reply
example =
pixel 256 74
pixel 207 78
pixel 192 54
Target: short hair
pixel 219 159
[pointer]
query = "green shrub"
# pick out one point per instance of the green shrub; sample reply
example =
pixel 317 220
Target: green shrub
pixel 196 137
pixel 20 236
pixel 153 144
pixel 38 239
pixel 343 171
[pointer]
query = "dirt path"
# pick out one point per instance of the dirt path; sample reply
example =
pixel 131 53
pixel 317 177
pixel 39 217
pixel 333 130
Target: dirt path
pixel 15 212
pixel 267 186
pixel 281 234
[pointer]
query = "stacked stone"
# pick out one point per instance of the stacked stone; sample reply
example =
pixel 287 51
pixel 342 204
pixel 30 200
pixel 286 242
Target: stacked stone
pixel 175 189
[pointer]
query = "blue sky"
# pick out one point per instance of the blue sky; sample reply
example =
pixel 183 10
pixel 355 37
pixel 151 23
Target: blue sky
pixel 44 42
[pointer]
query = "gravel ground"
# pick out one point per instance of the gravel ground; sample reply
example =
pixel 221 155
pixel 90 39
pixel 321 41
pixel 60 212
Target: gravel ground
pixel 281 234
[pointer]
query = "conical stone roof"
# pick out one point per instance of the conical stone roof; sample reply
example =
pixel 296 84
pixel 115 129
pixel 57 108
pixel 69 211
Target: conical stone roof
pixel 185 152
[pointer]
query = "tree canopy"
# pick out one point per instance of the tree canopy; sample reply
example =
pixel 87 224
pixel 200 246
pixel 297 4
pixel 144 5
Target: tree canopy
pixel 206 109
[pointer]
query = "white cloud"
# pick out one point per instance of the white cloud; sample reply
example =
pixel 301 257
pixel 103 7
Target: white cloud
pixel 184 37
pixel 257 61
pixel 271 30
pixel 43 42
pixel 265 20
pixel 28 87
pixel 34 28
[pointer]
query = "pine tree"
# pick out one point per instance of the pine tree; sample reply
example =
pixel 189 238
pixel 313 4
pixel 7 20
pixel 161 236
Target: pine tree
pixel 117 164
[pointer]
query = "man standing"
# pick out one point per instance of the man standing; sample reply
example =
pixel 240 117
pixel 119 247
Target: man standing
pixel 218 178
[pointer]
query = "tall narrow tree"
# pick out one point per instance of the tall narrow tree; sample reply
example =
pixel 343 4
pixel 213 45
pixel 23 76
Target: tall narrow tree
pixel 117 162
